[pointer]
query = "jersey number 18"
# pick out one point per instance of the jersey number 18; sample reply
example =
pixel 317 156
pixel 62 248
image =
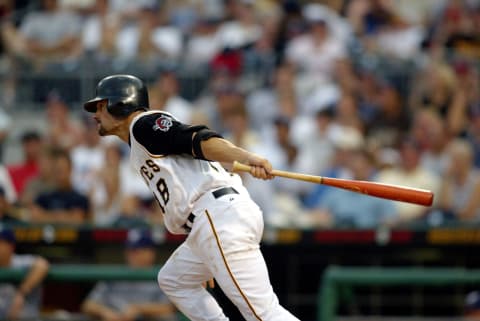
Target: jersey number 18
pixel 147 171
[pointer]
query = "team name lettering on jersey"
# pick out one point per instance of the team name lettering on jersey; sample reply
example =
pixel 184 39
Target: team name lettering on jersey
pixel 148 171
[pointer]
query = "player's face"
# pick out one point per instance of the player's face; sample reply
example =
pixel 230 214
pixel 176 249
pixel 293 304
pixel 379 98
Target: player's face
pixel 106 122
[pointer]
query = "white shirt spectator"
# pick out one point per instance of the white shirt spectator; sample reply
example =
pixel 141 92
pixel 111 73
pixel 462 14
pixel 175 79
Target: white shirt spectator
pixel 167 40
pixel 201 48
pixel 131 183
pixel 86 161
pixel 50 27
pixel 313 58
pixel 402 43
pixel 179 107
pixel 233 34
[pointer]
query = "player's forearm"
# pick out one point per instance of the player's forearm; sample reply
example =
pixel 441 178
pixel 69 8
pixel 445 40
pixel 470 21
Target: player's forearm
pixel 221 150
pixel 74 216
pixel 34 277
pixel 95 309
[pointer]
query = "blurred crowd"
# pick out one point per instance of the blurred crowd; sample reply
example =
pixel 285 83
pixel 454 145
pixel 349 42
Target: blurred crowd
pixel 378 90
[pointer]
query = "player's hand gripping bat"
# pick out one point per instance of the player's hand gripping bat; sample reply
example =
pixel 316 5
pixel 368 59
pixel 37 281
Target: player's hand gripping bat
pixel 391 192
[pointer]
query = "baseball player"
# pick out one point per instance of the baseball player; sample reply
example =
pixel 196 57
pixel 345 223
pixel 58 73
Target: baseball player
pixel 181 165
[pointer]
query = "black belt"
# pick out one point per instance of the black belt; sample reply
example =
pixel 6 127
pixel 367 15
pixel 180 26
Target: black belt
pixel 224 191
pixel 217 194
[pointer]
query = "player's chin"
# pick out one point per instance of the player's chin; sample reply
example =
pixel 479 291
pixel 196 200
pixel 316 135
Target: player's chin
pixel 102 131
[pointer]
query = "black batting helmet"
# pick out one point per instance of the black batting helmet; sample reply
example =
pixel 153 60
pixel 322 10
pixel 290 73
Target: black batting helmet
pixel 124 94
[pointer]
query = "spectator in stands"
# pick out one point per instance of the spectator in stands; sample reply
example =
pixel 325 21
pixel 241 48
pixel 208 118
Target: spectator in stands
pixel 345 141
pixel 430 131
pixel 50 35
pixel 131 300
pixel 342 208
pixel 87 157
pixel 105 192
pixel 158 41
pixel 316 52
pixel 100 31
pixel 459 196
pixel 203 43
pixel 63 204
pixel 22 301
pixel 165 95
pixel 391 119
pixel 63 132
pixel 43 182
pixel 276 99
pixel 243 28
pixel 6 218
pixel 21 173
pixel 410 173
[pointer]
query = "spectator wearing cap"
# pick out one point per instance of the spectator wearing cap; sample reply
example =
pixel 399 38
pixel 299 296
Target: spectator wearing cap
pixel 131 300
pixel 21 173
pixel 24 299
pixel 63 204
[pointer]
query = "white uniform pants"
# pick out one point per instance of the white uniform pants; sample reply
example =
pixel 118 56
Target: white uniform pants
pixel 224 244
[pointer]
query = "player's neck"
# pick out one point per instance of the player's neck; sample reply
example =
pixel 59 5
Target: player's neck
pixel 124 129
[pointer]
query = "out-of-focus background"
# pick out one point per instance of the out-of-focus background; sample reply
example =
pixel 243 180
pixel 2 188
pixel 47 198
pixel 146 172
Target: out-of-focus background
pixel 382 90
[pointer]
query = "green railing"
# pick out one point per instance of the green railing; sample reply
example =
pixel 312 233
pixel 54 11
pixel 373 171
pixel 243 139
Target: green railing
pixel 336 277
pixel 81 273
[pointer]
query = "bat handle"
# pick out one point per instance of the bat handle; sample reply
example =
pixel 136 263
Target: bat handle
pixel 239 167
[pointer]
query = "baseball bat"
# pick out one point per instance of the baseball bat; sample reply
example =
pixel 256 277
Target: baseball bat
pixel 387 191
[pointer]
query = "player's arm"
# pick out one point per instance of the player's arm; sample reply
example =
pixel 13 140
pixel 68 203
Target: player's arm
pixel 160 134
pixel 149 310
pixel 221 150
pixel 34 277
pixel 98 310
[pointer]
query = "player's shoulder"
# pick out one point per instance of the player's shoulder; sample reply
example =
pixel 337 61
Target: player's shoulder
pixel 151 121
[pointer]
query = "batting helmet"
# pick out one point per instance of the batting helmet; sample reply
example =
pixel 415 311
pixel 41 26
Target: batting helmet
pixel 124 94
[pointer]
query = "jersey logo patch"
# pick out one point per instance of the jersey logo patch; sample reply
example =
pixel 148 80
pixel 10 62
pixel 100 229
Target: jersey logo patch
pixel 163 123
